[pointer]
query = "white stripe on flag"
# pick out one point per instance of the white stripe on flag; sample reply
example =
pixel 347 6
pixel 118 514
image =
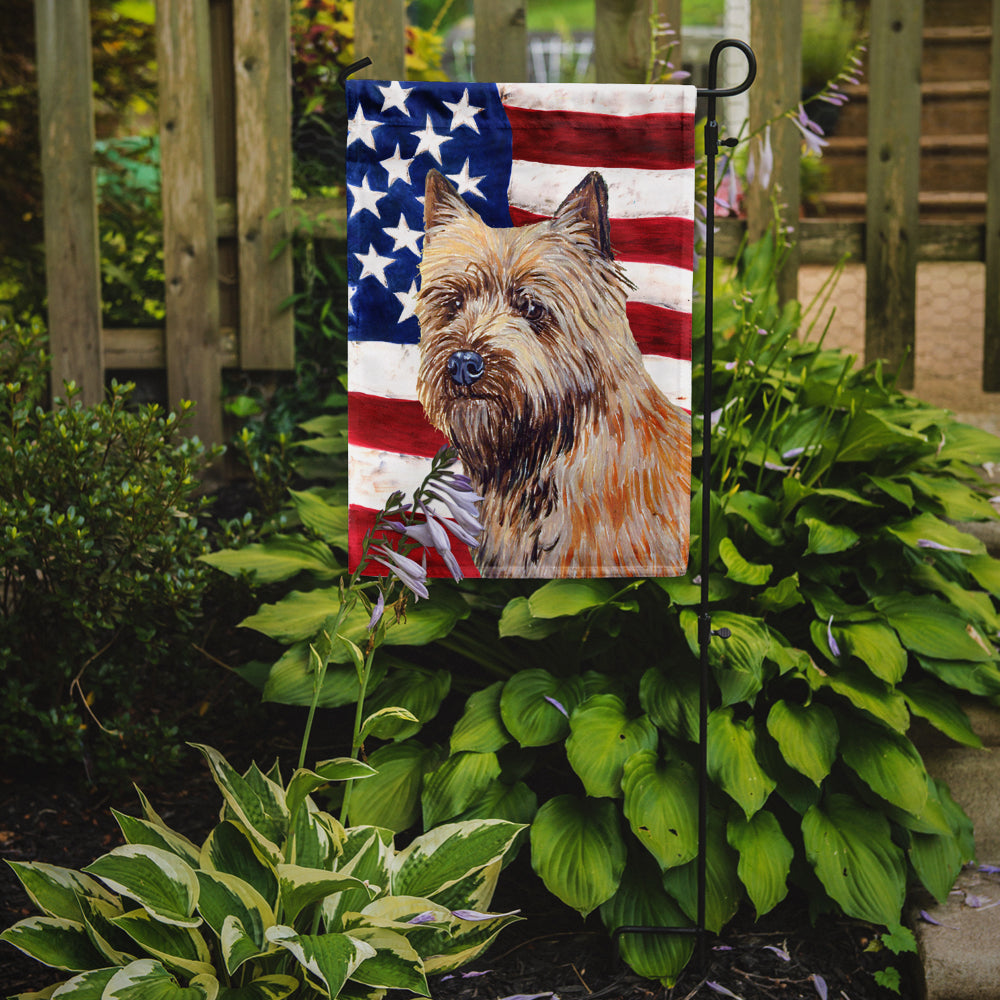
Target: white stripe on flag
pixel 632 193
pixel 659 285
pixel 672 377
pixel 375 475
pixel 600 99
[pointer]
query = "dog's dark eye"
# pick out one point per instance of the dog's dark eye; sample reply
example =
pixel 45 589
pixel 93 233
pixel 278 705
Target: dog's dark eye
pixel 452 304
pixel 531 309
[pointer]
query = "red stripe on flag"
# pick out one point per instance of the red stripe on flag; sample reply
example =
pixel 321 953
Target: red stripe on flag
pixel 362 520
pixel 396 425
pixel 660 331
pixel 583 139
pixel 651 240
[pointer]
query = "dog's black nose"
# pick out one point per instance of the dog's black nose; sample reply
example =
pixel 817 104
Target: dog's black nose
pixel 465 367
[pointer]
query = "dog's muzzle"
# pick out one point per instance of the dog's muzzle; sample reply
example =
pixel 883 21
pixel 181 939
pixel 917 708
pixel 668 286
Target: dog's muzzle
pixel 465 367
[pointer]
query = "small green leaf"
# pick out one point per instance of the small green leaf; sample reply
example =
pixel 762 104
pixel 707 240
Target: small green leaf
pixel 732 760
pixel 301 887
pixel 807 736
pixel 56 891
pixel 828 539
pixel 765 858
pixel 516 620
pixel 739 569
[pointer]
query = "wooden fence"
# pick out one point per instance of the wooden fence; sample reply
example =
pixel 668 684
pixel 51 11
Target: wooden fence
pixel 226 160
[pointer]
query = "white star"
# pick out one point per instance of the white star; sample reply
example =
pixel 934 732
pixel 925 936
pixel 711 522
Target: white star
pixel 397 168
pixel 395 97
pixel 466 184
pixel 463 113
pixel 374 265
pixel 364 197
pixel 404 236
pixel 409 301
pixel 430 141
pixel 360 128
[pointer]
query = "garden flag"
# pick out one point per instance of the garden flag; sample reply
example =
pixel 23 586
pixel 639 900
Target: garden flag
pixel 520 278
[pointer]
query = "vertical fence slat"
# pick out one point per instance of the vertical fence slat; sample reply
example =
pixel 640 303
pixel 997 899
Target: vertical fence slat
pixel 261 56
pixel 893 183
pixel 72 257
pixel 501 40
pixel 621 40
pixel 380 34
pixel 190 253
pixel 991 333
pixel 776 34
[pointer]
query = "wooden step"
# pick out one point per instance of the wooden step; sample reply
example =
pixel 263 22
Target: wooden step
pixel 958 206
pixel 944 104
pixel 939 13
pixel 956 53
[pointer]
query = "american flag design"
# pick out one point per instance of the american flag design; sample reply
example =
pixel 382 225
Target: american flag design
pixel 512 151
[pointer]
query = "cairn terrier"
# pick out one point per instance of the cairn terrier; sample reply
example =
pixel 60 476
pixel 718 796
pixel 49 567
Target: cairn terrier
pixel 528 366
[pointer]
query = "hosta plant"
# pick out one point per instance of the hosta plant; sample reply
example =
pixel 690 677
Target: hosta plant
pixel 279 900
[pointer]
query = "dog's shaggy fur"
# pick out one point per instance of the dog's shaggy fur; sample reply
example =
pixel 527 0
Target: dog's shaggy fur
pixel 528 365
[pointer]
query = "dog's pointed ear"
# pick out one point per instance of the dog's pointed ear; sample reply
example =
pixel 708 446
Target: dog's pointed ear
pixel 442 203
pixel 588 203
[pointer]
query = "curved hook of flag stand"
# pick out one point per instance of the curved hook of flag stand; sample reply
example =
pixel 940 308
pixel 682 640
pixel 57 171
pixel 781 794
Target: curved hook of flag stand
pixel 705 631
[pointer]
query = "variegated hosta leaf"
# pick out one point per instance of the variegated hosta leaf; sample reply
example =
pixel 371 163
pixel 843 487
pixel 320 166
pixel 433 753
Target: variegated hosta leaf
pixel 256 801
pixel 578 851
pixel 177 947
pixel 300 887
pixel 642 902
pixel 765 858
pixel 481 727
pixel 315 838
pixel 147 979
pixel 807 736
pixel 476 890
pixel 56 891
pixel 54 941
pixel 465 942
pixel 230 849
pixel 116 947
pixel 141 831
pixel 732 760
pixel 366 855
pixel 661 799
pixel 441 857
pixel 535 706
pixel 86 986
pixel 395 964
pixel 329 959
pixel 602 737
pixel 158 880
pixel 304 782
pixel 850 847
pixel 225 897
pixel 274 987
pixel 456 784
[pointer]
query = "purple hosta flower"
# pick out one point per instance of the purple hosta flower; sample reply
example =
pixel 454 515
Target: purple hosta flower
pixel 990 869
pixel 780 952
pixel 427 917
pixel 927 918
pixel 475 915
pixel 377 612
pixel 820 983
pixel 927 543
pixel 431 535
pixel 456 493
pixel 812 134
pixel 761 162
pixel 559 705
pixel 531 996
pixel 831 642
pixel 465 975
pixel 410 573
pixel 719 988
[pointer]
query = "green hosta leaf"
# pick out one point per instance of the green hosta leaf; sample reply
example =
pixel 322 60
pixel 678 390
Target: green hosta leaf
pixel 54 941
pixel 230 849
pixel 828 539
pixel 738 661
pixel 141 831
pixel 517 620
pixel 661 799
pixel 732 760
pixel 850 847
pixel 807 736
pixel 783 595
pixel 876 646
pixel 957 501
pixel 641 901
pixel 765 858
pixel 438 859
pixel 279 558
pixel 225 897
pixel 941 709
pixel 304 782
pixel 159 881
pixel 928 528
pixel 684 592
pixel 893 488
pixel 671 700
pixel 385 723
pixel 559 598
pixel 147 979
pixel 456 784
pixel 739 569
pixel 327 520
pixel 275 987
pixel 56 891
pixel 976 605
pixel 315 838
pixel 516 803
pixel 292 680
pixel 180 948
pixel 602 738
pixel 870 436
pixel 391 798
pixel 415 689
pixel 528 710
pixel 931 628
pixel 239 944
pixel 723 889
pixel 937 859
pixel 986 571
pixel 965 443
pixel 481 728
pixel 301 887
pixel 260 809
pixel 976 678
pixel 330 959
pixel 395 964
pixel 578 851
pixel 758 511
pixel 865 692
pixel 888 763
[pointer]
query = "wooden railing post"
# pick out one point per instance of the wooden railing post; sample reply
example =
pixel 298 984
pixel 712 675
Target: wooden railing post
pixel 893 183
pixel 991 332
pixel 501 40
pixel 190 251
pixel 380 34
pixel 72 255
pixel 776 35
